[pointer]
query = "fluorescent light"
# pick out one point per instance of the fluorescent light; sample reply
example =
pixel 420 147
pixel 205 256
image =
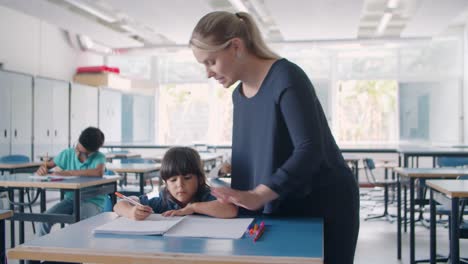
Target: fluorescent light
pixel 239 5
pixel 392 4
pixel 383 23
pixel 92 11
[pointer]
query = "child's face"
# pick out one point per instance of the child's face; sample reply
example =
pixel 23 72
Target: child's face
pixel 183 187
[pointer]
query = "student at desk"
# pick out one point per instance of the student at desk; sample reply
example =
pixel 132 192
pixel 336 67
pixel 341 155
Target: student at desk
pixel 83 160
pixel 186 191
pixel 285 161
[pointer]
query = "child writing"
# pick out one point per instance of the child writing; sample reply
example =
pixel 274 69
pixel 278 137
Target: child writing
pixel 185 193
pixel 83 160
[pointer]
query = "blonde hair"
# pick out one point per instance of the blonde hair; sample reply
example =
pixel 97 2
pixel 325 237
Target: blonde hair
pixel 215 30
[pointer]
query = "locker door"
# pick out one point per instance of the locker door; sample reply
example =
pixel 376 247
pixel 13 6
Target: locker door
pixel 42 117
pixel 60 95
pixel 21 115
pixel 84 109
pixel 110 115
pixel 5 112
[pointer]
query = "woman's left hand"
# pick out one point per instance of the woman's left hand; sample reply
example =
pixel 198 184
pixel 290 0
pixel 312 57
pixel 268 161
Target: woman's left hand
pixel 247 199
pixel 187 210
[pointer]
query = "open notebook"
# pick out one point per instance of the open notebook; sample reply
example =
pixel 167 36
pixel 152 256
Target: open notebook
pixel 187 226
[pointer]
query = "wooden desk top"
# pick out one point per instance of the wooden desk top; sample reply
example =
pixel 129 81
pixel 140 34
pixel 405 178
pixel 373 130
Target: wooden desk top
pixel 24 180
pixel 19 165
pixel 133 167
pixel 431 172
pixel 203 156
pixel 452 188
pixel 4 214
pixel 288 240
pixel 122 155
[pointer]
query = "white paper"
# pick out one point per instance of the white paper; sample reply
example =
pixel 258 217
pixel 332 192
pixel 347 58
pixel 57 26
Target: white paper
pixel 50 177
pixel 204 226
pixel 155 224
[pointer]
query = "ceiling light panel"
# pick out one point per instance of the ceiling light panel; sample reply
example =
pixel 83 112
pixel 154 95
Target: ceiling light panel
pixel 65 19
pixel 433 17
pixel 316 20
pixel 174 19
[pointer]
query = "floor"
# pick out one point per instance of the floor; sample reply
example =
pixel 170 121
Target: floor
pixel 377 238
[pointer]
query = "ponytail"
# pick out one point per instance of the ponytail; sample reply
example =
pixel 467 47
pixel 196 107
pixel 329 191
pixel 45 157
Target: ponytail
pixel 215 30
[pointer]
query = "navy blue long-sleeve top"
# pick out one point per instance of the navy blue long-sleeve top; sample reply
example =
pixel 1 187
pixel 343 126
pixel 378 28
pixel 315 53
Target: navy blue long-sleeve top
pixel 281 138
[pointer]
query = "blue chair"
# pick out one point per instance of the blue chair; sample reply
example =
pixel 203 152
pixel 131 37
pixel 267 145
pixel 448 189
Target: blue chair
pixel 14 159
pixel 452 161
pixel 108 207
pixel 369 167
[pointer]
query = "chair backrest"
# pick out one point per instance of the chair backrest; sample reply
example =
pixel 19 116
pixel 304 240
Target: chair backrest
pixel 137 160
pixel 14 159
pixel 119 152
pixel 452 161
pixel 369 166
pixel 369 163
pixel 108 205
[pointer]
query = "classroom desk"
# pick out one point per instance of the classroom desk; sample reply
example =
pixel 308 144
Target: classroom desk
pixel 370 148
pixel 82 187
pixel 19 167
pixel 140 169
pixel 411 174
pixel 112 156
pixel 209 159
pixel 4 214
pixel 354 161
pixel 287 240
pixel 447 191
pixel 407 153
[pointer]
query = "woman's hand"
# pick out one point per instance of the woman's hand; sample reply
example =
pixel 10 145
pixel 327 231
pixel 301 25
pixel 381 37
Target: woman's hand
pixel 251 200
pixel 187 210
pixel 140 212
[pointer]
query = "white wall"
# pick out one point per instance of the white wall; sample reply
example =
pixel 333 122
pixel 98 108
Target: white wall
pixel 32 46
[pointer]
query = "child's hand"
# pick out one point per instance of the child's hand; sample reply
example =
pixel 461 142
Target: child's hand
pixel 140 212
pixel 187 210
pixel 60 173
pixel 42 171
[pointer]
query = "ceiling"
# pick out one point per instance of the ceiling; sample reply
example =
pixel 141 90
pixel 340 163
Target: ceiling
pixel 121 24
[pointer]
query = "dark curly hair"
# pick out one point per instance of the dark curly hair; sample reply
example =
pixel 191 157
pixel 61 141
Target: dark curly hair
pixel 91 138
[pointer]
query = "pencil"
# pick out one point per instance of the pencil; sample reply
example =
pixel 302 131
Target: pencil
pixel 45 161
pixel 121 196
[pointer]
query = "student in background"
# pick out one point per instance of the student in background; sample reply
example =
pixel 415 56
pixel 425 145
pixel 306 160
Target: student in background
pixel 185 193
pixel 285 161
pixel 82 160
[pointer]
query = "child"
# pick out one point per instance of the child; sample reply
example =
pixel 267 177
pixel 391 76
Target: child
pixel 83 160
pixel 186 191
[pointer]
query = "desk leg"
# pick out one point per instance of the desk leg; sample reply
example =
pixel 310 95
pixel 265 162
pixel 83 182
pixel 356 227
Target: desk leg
pixel 398 217
pixel 11 196
pixel 43 199
pixel 412 237
pixel 454 233
pixel 432 229
pixel 2 242
pixel 142 183
pixel 405 206
pixel 21 209
pixel 76 205
pixel 112 195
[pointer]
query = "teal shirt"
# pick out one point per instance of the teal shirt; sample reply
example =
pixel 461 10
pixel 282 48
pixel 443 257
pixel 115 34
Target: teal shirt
pixel 68 160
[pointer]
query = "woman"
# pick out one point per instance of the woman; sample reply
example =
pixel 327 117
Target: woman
pixel 285 161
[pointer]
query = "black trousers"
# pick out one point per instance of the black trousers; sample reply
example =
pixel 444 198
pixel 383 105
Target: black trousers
pixel 338 205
